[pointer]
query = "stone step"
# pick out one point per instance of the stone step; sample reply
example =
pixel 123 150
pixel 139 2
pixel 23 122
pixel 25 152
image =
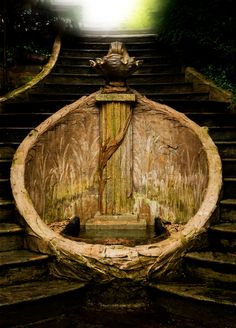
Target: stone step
pixel 88 44
pixel 229 187
pixel 165 98
pixel 182 105
pixel 21 119
pixel 157 96
pixel 223 133
pixel 7 210
pixel 5 165
pixel 14 134
pixel 17 266
pixel 205 305
pixel 168 87
pixel 229 167
pixel 167 68
pixel 144 69
pixel 5 188
pixel 228 210
pixel 7 149
pixel 103 36
pixel 102 51
pixel 138 78
pixel 211 267
pixel 56 97
pixel 66 88
pixel 227 149
pixel 11 236
pixel 39 303
pixel 143 88
pixel 38 106
pixel 82 60
pixel 197 106
pixel 51 105
pixel 33 119
pixel 135 44
pixel 222 237
pixel 212 119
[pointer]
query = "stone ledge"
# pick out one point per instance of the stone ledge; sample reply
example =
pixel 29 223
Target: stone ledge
pixel 201 83
pixel 23 90
pixel 105 97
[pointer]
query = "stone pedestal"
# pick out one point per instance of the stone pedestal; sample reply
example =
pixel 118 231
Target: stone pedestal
pixel 116 222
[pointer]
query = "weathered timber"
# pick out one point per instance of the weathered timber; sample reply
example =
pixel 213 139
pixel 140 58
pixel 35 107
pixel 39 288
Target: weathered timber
pixel 104 262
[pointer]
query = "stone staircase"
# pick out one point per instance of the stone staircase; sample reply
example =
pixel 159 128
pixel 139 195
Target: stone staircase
pixel 161 79
pixel 27 292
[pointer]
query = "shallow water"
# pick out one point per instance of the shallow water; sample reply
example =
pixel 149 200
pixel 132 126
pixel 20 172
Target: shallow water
pixel 128 237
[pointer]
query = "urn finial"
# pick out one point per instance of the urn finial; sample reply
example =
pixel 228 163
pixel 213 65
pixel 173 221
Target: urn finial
pixel 117 65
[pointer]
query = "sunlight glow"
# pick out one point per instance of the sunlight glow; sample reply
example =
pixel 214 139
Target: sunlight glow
pixel 106 14
pixel 102 14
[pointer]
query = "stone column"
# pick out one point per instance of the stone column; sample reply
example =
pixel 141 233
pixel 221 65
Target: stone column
pixel 116 164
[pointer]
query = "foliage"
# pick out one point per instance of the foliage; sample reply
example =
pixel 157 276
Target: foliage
pixel 23 52
pixel 139 20
pixel 221 76
pixel 205 32
pixel 27 30
pixel 27 20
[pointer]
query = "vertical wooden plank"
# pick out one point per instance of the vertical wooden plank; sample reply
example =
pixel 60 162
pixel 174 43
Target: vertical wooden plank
pixel 117 194
pixel 129 163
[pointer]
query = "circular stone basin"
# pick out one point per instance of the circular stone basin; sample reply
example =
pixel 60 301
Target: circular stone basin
pixel 126 237
pixel 176 176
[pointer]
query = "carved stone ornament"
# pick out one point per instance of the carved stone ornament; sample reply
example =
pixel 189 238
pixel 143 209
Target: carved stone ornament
pixel 117 65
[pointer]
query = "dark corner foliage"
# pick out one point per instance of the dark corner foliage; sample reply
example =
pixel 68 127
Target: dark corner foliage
pixel 27 31
pixel 204 31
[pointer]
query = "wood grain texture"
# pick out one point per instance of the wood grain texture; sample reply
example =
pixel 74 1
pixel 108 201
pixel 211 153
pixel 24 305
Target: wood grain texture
pixel 96 262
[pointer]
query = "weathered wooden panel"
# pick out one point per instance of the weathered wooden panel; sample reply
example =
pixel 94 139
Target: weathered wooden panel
pixel 116 160
pixel 61 171
pixel 175 174
pixel 116 196
pixel 170 166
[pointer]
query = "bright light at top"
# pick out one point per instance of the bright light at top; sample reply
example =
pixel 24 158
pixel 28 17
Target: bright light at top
pixel 106 14
pixel 102 14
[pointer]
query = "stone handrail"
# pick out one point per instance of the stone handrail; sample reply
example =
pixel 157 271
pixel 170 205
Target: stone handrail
pixel 201 83
pixel 39 77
